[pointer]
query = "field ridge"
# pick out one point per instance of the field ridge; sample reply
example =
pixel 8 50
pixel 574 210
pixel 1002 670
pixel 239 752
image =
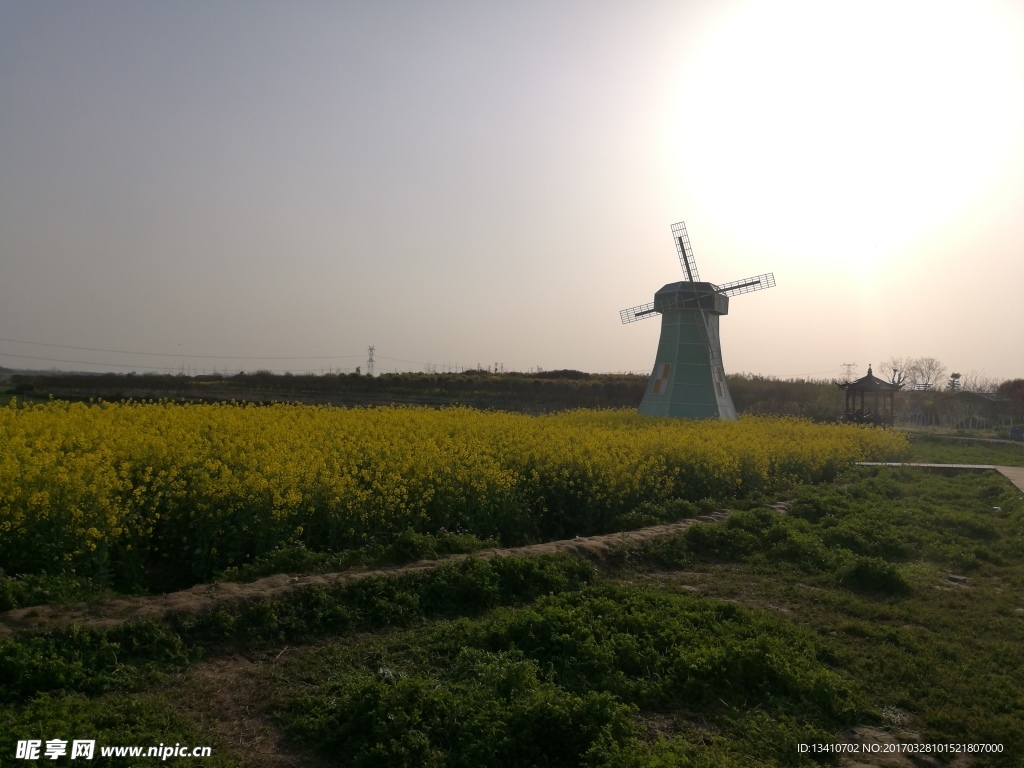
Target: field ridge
pixel 204 598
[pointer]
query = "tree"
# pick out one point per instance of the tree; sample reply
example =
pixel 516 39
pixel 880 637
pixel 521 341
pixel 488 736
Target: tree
pixel 896 369
pixel 974 381
pixel 919 372
pixel 926 372
pixel 1012 388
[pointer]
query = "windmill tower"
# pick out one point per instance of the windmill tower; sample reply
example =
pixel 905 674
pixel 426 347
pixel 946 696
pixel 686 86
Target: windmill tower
pixel 688 380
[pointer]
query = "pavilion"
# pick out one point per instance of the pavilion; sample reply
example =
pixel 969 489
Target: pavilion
pixel 873 392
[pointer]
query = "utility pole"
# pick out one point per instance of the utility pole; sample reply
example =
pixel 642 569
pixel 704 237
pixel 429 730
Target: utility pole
pixel 369 363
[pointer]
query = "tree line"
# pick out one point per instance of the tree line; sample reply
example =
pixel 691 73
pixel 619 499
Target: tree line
pixel 977 402
pixel 925 373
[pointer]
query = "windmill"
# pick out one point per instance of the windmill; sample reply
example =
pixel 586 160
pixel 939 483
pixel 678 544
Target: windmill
pixel 688 380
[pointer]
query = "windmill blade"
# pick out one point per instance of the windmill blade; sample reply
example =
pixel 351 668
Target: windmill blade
pixel 642 312
pixel 747 285
pixel 682 241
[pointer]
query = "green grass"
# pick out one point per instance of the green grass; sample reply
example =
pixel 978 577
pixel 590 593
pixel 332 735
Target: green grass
pixel 946 656
pixel 933 449
pixel 109 684
pixel 841 612
pixel 113 720
pixel 853 620
pixel 560 682
pixel 408 546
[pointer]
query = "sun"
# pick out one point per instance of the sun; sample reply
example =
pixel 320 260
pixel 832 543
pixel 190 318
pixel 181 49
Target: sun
pixel 875 125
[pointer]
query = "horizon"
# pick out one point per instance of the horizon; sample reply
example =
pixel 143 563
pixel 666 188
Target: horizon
pixel 973 384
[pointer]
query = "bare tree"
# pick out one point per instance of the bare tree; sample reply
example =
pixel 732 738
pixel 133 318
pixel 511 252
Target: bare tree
pixel 918 372
pixel 977 381
pixel 897 368
pixel 926 372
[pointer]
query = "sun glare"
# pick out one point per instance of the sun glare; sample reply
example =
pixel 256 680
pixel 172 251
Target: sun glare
pixel 874 124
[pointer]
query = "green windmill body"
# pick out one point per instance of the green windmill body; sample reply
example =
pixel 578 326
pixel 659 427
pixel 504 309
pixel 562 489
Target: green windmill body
pixel 688 380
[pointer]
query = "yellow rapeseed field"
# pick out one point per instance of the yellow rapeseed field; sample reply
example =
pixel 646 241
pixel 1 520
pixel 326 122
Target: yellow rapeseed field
pixel 128 486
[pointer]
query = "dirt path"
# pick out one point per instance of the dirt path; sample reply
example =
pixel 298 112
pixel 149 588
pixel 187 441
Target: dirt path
pixel 871 745
pixel 208 597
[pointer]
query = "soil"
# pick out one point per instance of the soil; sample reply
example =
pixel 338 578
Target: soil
pixel 231 698
pixel 872 744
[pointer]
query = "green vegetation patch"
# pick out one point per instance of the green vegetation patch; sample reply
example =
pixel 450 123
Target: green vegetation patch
pixel 86 660
pixel 935 449
pixel 862 530
pixel 132 655
pixel 94 683
pixel 912 578
pixel 562 682
pixel 115 720
pixel 408 546
pixel 892 597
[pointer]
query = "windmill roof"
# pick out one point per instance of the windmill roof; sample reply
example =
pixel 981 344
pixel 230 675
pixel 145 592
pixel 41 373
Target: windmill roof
pixel 687 296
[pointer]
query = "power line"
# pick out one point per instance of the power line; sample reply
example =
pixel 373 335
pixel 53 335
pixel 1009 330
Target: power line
pixel 180 355
pixel 78 362
pixel 152 368
pixel 399 360
pixel 156 368
pixel 809 373
pixel 176 354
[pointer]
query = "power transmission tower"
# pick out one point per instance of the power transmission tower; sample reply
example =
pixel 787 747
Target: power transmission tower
pixel 369 363
pixel 849 369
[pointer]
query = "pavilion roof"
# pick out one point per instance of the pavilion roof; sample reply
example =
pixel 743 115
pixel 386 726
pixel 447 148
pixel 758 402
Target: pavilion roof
pixel 870 383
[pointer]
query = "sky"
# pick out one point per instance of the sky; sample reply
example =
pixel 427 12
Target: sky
pixel 251 185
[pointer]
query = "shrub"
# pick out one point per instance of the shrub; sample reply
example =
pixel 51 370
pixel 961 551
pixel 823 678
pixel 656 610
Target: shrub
pixel 874 576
